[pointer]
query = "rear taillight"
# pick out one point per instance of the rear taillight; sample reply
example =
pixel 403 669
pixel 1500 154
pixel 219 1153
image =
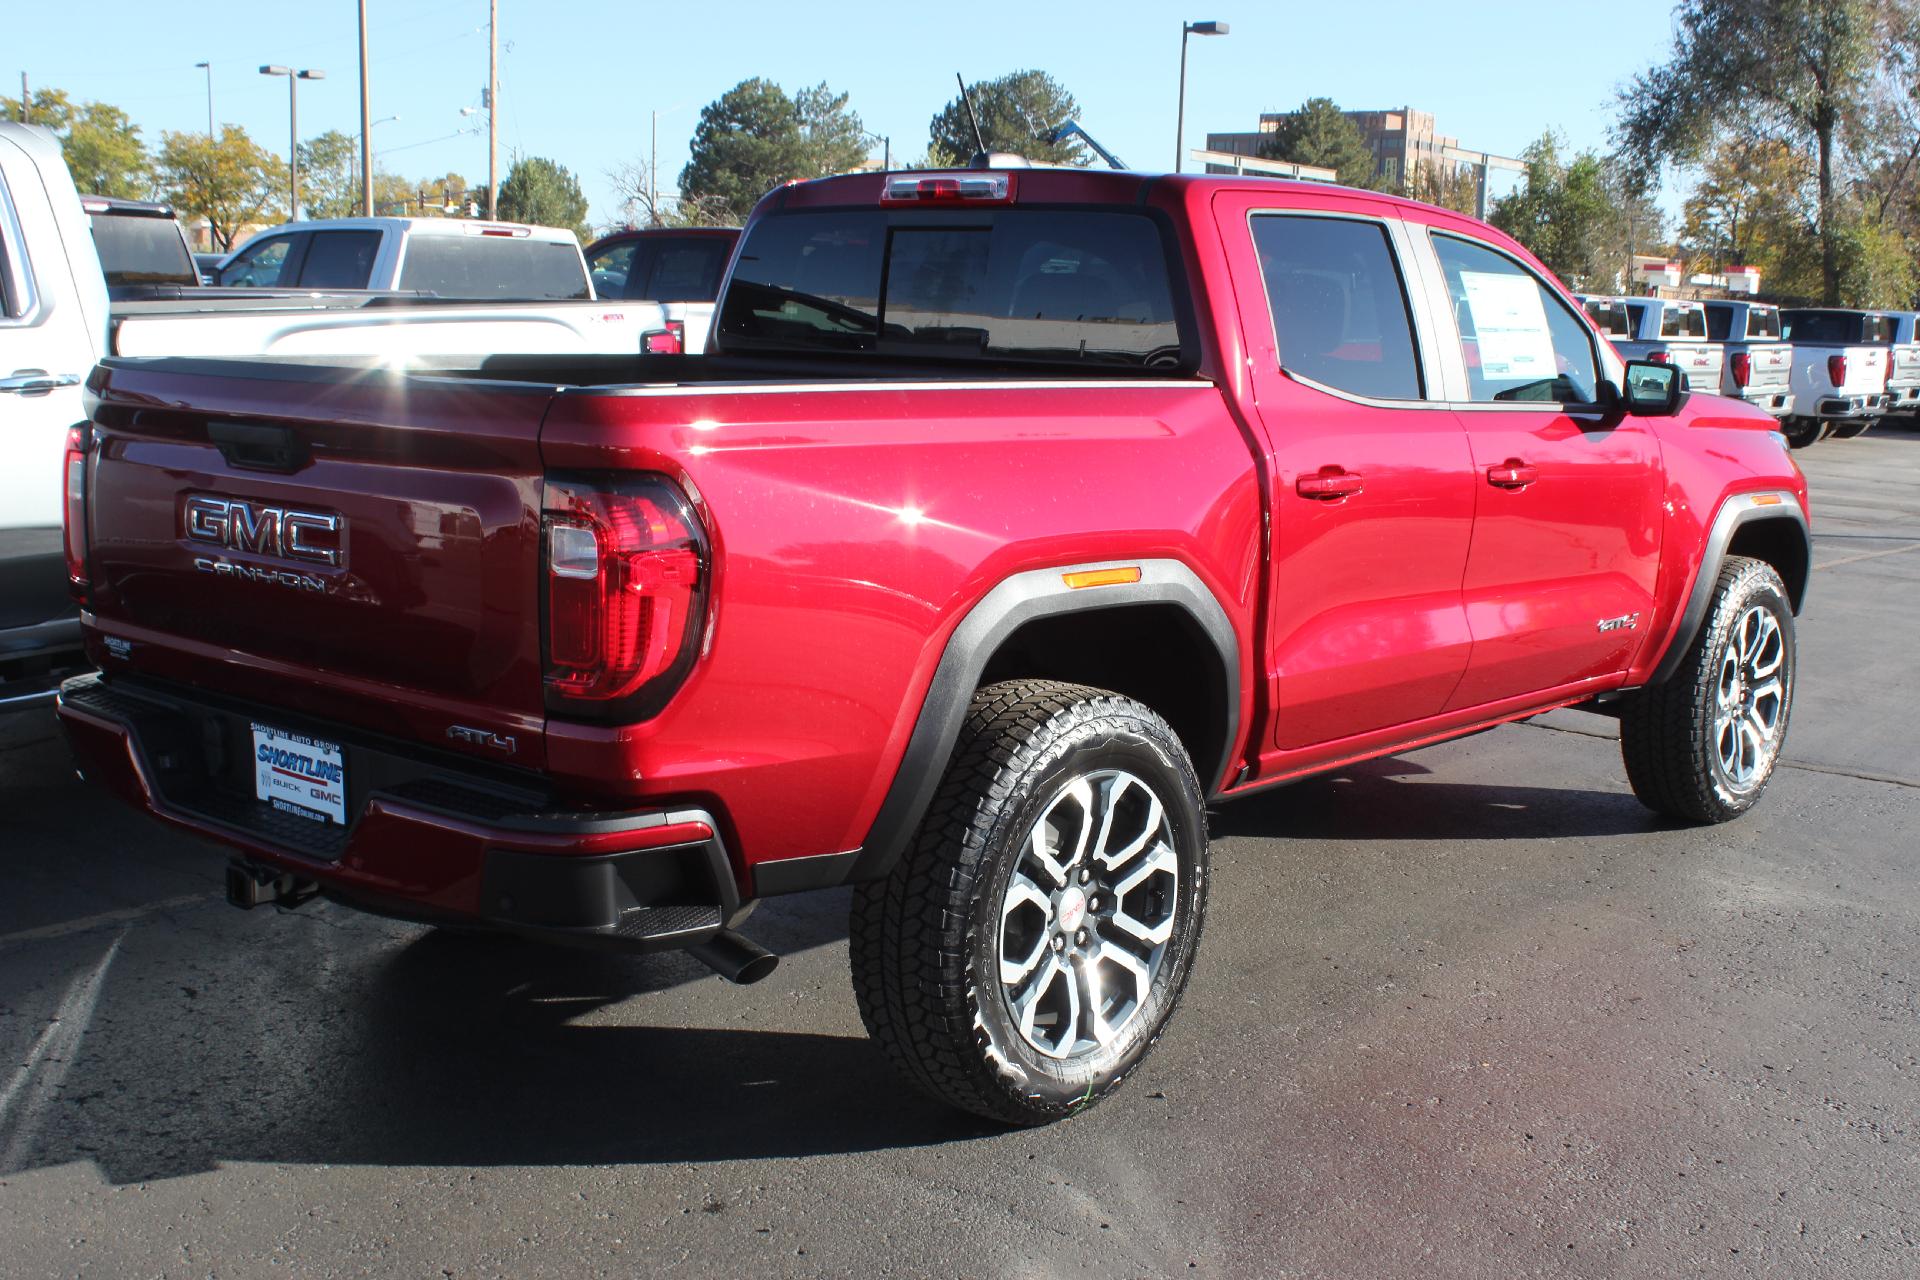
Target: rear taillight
pixel 1742 368
pixel 79 441
pixel 670 341
pixel 1887 380
pixel 626 594
pixel 1837 370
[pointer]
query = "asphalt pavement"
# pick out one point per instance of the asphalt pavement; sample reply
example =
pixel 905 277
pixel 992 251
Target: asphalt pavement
pixel 1469 1011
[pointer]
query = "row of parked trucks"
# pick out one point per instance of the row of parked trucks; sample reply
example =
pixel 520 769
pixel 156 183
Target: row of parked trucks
pixel 1822 371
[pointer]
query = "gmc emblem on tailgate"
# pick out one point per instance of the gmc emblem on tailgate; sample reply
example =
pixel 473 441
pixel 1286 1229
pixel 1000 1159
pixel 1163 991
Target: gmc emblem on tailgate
pixel 281 532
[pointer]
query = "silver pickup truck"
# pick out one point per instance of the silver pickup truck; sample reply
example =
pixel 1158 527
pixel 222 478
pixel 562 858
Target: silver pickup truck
pixel 1758 367
pixel 1663 330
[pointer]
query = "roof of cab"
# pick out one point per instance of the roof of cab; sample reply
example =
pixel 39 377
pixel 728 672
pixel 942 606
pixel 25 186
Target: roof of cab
pixel 422 226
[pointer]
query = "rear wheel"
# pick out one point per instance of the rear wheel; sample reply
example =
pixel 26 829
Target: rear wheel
pixel 1029 948
pixel 1702 745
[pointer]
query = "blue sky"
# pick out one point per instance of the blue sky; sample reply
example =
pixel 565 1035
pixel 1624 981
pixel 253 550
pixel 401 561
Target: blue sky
pixel 578 82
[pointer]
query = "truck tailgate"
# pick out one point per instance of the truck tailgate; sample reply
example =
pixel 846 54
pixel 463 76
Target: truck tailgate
pixel 1772 367
pixel 361 545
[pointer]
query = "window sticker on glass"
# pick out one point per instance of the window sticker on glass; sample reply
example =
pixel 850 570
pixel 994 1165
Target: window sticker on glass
pixel 1510 324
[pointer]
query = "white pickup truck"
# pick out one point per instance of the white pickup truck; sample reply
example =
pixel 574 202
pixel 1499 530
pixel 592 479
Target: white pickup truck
pixel 1903 386
pixel 1759 366
pixel 1842 359
pixel 445 257
pixel 1662 330
pixel 56 322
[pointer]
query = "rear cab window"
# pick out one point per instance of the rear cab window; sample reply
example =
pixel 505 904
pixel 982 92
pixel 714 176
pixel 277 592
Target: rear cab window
pixel 1763 322
pixel 1610 317
pixel 1719 322
pixel 1683 322
pixel 1033 285
pixel 484 266
pixel 142 249
pixel 1340 314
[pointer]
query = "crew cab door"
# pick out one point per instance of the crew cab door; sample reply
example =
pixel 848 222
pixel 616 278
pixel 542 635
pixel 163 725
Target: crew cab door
pixel 1370 481
pixel 1566 536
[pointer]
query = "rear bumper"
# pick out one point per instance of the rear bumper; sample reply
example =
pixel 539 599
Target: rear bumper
pixel 1849 406
pixel 1777 401
pixel 426 839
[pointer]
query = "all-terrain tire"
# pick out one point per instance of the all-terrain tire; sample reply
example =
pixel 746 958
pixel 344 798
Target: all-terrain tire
pixel 932 942
pixel 1675 736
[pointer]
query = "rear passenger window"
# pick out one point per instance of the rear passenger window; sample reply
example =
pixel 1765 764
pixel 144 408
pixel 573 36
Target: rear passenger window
pixel 1339 309
pixel 1520 342
pixel 340 259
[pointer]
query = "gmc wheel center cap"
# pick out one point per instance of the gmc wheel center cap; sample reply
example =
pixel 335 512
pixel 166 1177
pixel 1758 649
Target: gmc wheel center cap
pixel 1073 909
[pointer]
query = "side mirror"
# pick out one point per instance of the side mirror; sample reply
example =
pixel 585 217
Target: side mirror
pixel 1653 390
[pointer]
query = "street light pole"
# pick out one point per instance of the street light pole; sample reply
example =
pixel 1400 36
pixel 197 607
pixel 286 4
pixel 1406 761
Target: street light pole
pixel 1180 117
pixel 366 123
pixel 293 122
pixel 208 68
pixel 886 148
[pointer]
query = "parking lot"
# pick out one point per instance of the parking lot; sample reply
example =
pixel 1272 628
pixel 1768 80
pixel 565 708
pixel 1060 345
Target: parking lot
pixel 1467 1011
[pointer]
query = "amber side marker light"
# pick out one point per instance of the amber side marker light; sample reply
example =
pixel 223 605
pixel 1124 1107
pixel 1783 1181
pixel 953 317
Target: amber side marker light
pixel 1768 500
pixel 1101 577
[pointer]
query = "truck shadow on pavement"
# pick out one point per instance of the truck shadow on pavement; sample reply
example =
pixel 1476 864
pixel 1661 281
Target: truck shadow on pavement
pixel 1398 799
pixel 452 1051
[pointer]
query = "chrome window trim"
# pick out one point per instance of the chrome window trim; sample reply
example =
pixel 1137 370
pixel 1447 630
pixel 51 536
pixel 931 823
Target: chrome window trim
pixel 1412 290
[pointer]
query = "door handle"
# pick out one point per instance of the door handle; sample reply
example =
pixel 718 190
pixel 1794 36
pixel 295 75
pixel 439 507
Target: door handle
pixel 37 382
pixel 1329 484
pixel 1512 474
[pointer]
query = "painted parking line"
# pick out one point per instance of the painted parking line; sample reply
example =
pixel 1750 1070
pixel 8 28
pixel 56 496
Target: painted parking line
pixel 105 919
pixel 1868 555
pixel 36 1081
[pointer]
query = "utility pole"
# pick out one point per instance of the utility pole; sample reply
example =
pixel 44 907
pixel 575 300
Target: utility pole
pixel 26 103
pixel 653 175
pixel 493 108
pixel 366 123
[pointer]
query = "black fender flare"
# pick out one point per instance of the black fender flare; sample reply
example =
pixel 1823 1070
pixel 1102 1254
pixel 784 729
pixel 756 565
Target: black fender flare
pixel 1014 602
pixel 1741 509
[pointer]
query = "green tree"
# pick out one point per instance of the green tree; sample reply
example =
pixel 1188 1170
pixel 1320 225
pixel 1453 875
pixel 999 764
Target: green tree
pixel 1320 134
pixel 1795 70
pixel 101 143
pixel 1015 112
pixel 330 176
pixel 1577 216
pixel 539 191
pixel 755 137
pixel 1754 205
pixel 232 183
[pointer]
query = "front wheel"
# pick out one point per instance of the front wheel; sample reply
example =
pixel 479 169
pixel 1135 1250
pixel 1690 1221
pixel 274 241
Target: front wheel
pixel 1030 946
pixel 1702 745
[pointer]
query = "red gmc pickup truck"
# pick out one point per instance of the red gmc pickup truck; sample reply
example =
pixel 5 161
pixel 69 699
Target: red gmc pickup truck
pixel 1017 516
